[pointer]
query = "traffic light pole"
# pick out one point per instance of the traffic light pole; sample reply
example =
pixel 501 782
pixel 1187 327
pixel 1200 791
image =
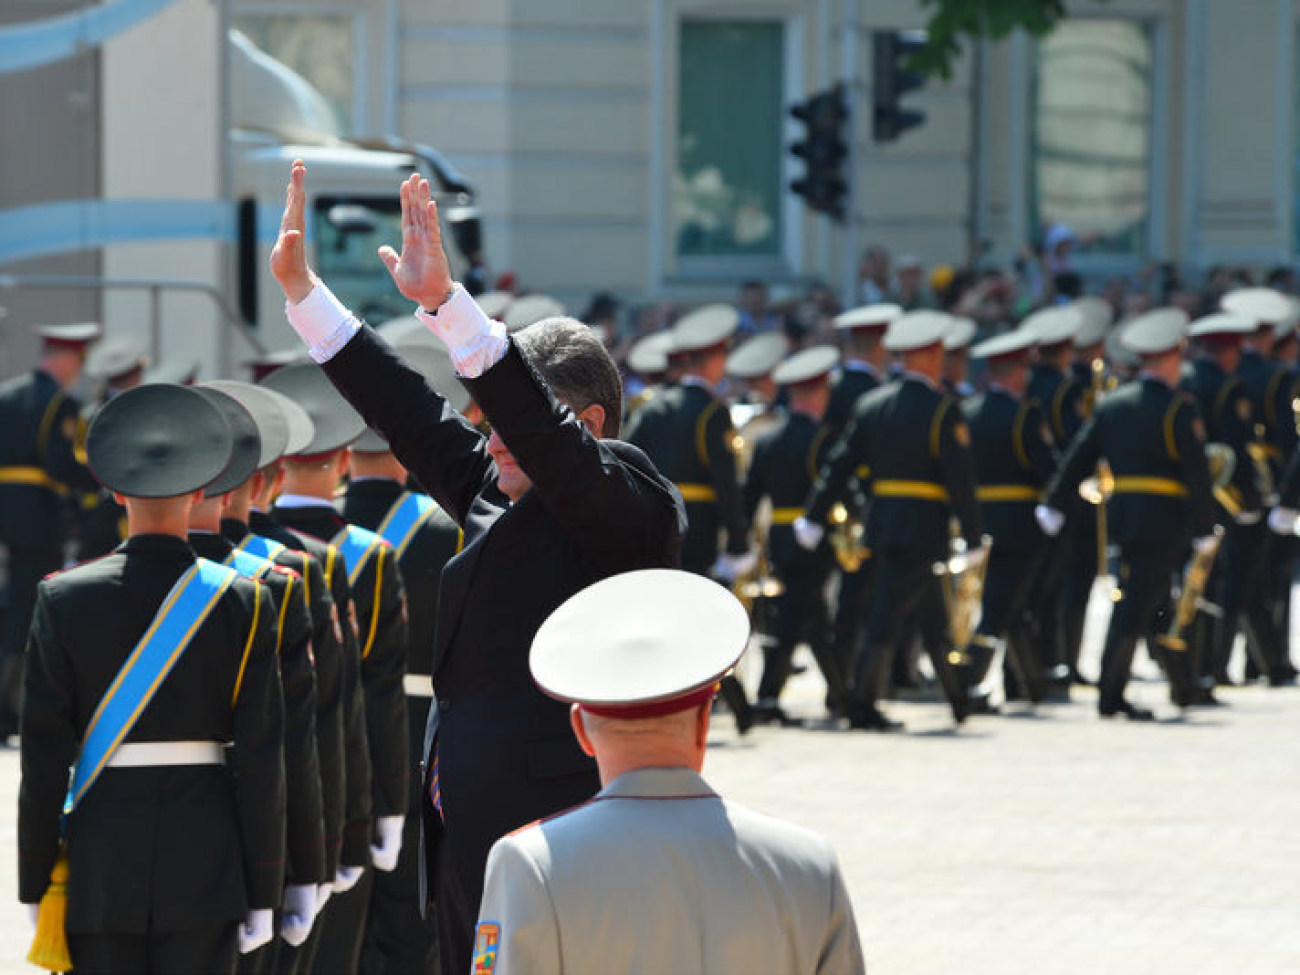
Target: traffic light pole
pixel 851 72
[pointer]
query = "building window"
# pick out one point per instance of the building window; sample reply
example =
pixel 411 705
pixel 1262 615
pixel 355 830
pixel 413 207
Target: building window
pixel 1091 136
pixel 322 48
pixel 728 180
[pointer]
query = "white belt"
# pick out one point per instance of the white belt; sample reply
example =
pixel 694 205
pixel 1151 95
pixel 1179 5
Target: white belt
pixel 144 754
pixel 418 685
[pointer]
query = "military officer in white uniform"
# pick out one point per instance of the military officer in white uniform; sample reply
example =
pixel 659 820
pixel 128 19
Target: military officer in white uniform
pixel 657 873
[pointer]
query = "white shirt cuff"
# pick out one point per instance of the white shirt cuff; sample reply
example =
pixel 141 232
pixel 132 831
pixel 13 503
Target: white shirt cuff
pixel 322 322
pixel 475 342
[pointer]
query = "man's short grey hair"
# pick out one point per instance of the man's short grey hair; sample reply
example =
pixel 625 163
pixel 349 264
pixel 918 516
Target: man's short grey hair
pixel 576 365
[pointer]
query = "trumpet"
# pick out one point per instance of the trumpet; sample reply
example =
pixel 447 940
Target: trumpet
pixel 961 580
pixel 846 536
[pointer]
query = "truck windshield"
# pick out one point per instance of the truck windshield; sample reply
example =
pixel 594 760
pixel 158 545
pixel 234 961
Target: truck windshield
pixel 349 231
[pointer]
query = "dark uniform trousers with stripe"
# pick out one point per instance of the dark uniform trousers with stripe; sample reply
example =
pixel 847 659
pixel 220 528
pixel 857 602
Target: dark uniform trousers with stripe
pixel 398 938
pixel 784 465
pixel 1014 460
pixel 916 446
pixel 39 460
pixel 1153 438
pixel 687 434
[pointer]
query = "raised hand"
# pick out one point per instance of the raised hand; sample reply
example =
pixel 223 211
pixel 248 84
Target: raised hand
pixel 420 272
pixel 289 256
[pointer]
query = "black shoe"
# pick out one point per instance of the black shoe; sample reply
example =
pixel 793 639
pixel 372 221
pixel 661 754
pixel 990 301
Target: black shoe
pixel 744 720
pixel 1130 711
pixel 976 703
pixel 1205 699
pixel 1283 679
pixel 1078 680
pixel 769 712
pixel 873 720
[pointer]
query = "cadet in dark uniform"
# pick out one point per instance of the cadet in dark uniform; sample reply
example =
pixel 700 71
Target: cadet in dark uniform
pixel 425 538
pixel 916 446
pixel 332 645
pixel 182 836
pixel 40 461
pixel 750 366
pixel 305 867
pixel 1273 389
pixel 647 371
pixel 1154 440
pixel 786 459
pixel 1225 404
pixel 312 480
pixel 956 358
pixel 1014 459
pixel 114 366
pixel 687 434
pixel 862 369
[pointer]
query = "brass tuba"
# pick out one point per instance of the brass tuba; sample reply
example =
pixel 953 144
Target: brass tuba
pixel 1194 580
pixel 961 580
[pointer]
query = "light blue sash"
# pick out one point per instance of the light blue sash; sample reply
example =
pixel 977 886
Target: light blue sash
pixel 263 547
pixel 405 517
pixel 248 564
pixel 356 546
pixel 176 622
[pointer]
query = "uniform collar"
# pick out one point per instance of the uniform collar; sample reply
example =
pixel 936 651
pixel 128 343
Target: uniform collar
pixel 861 365
pixel 157 545
pixel 658 783
pixel 301 501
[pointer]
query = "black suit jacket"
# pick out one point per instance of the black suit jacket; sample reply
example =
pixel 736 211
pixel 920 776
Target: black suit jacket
pixel 1014 455
pixel 506 753
pixel 153 849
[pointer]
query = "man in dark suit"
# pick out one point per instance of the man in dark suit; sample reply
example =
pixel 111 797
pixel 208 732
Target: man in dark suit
pixel 425 538
pixel 786 459
pixel 546 508
pixel 179 839
pixel 1014 458
pixel 915 445
pixel 1153 437
pixel 40 460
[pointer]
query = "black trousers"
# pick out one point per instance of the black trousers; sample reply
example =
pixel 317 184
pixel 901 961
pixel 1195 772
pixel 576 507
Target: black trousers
pixel 801 614
pixel 398 941
pixel 1245 593
pixel 197 951
pixel 27 567
pixel 1076 587
pixel 1004 617
pixel 852 604
pixel 336 938
pixel 1143 610
pixel 454 915
pixel 905 584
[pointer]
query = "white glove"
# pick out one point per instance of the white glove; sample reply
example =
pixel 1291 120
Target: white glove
pixel 323 892
pixel 299 913
pixel 1282 520
pixel 807 533
pixel 346 878
pixel 33 913
pixel 1205 544
pixel 729 567
pixel 1049 520
pixel 389 830
pixel 258 929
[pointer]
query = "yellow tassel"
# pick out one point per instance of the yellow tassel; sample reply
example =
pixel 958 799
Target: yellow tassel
pixel 50 945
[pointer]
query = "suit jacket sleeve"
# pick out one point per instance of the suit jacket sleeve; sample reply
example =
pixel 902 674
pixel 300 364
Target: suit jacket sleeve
pixel 959 475
pixel 305 841
pixel 1036 444
pixel 434 442
pixel 49 747
pixel 1234 427
pixel 516 900
pixel 621 512
pixel 1080 461
pixel 841 464
pixel 1196 470
pixel 63 449
pixel 383 665
pixel 257 756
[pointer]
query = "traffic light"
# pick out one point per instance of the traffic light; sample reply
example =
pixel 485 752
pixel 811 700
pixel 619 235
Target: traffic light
pixel 891 80
pixel 823 150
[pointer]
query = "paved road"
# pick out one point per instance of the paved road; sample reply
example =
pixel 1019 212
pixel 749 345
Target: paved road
pixel 1057 843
